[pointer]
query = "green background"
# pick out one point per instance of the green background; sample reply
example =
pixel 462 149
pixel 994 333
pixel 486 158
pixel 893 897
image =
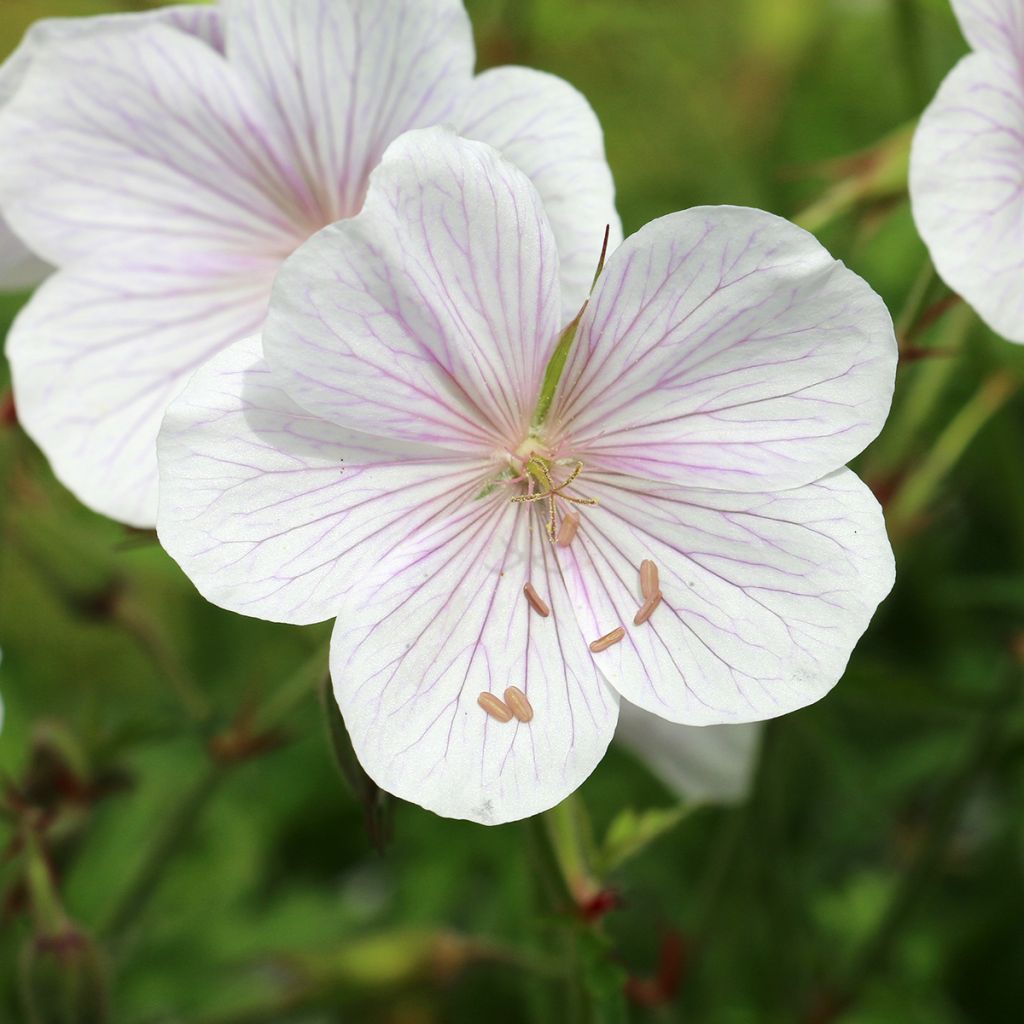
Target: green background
pixel 875 876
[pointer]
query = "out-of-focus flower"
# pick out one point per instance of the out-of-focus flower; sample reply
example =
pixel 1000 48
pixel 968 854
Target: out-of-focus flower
pixel 394 451
pixel 19 266
pixel 967 167
pixel 714 764
pixel 168 163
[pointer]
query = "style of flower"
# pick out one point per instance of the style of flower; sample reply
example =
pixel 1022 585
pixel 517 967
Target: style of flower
pixel 167 164
pixel 368 459
pixel 967 167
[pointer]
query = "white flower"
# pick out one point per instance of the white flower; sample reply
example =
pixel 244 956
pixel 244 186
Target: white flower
pixel 714 764
pixel 167 164
pixel 390 455
pixel 19 267
pixel 967 167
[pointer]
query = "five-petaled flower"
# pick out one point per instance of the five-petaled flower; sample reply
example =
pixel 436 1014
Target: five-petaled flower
pixel 167 163
pixel 967 167
pixel 364 457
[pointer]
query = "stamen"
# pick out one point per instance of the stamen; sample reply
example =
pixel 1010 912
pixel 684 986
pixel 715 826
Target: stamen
pixel 536 601
pixel 519 704
pixel 647 609
pixel 609 639
pixel 648 579
pixel 567 531
pixel 494 706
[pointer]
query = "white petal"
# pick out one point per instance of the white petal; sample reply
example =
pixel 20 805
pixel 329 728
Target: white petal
pixel 347 77
pixel 431 315
pixel 18 267
pixel 994 26
pixel 445 620
pixel 147 133
pixel 101 349
pixel 967 187
pixel 203 22
pixel 725 348
pixel 765 595
pixel 275 513
pixel 703 764
pixel 549 130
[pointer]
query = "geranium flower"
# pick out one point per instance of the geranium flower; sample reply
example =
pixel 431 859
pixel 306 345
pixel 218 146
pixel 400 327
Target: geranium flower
pixel 390 452
pixel 167 165
pixel 967 167
pixel 19 266
pixel 710 764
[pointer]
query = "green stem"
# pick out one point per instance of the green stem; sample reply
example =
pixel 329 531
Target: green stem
pixel 174 834
pixel 917 492
pixel 910 55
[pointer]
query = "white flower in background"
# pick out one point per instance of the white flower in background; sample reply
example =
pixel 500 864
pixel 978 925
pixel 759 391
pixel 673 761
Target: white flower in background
pixel 19 267
pixel 967 167
pixel 167 164
pixel 389 455
pixel 713 764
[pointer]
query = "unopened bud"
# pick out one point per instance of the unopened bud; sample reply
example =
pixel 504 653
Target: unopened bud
pixel 64 979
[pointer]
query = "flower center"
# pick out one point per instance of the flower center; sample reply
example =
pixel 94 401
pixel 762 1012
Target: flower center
pixel 548 479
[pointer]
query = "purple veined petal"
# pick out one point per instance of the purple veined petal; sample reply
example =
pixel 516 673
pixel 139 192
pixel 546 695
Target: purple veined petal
pixel 701 764
pixel 430 316
pixel 993 26
pixel 144 133
pixel 278 514
pixel 549 130
pixel 19 268
pixel 764 595
pixel 725 348
pixel 103 346
pixel 967 187
pixel 347 77
pixel 201 21
pixel 444 620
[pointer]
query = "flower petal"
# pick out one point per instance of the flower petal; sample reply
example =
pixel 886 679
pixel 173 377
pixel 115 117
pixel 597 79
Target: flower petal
pixel 549 130
pixel 275 513
pixel 725 348
pixel 347 77
pixel 18 267
pixel 430 316
pixel 203 22
pixel 765 595
pixel 967 187
pixel 995 26
pixel 444 620
pixel 704 764
pixel 147 133
pixel 104 345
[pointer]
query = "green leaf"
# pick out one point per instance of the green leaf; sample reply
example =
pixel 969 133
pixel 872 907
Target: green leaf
pixel 632 831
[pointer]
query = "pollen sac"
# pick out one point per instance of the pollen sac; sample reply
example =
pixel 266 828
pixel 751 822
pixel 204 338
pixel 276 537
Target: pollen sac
pixel 648 579
pixel 647 609
pixel 537 603
pixel 519 704
pixel 567 531
pixel 602 643
pixel 495 707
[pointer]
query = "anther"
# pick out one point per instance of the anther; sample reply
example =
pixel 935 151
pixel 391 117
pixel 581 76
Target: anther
pixel 519 704
pixel 648 579
pixel 567 531
pixel 536 601
pixel 647 609
pixel 604 642
pixel 495 707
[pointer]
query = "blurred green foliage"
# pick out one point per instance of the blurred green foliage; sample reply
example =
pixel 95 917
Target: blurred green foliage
pixel 205 859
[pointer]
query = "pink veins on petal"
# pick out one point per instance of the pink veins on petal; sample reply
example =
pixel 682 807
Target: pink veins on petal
pixel 722 374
